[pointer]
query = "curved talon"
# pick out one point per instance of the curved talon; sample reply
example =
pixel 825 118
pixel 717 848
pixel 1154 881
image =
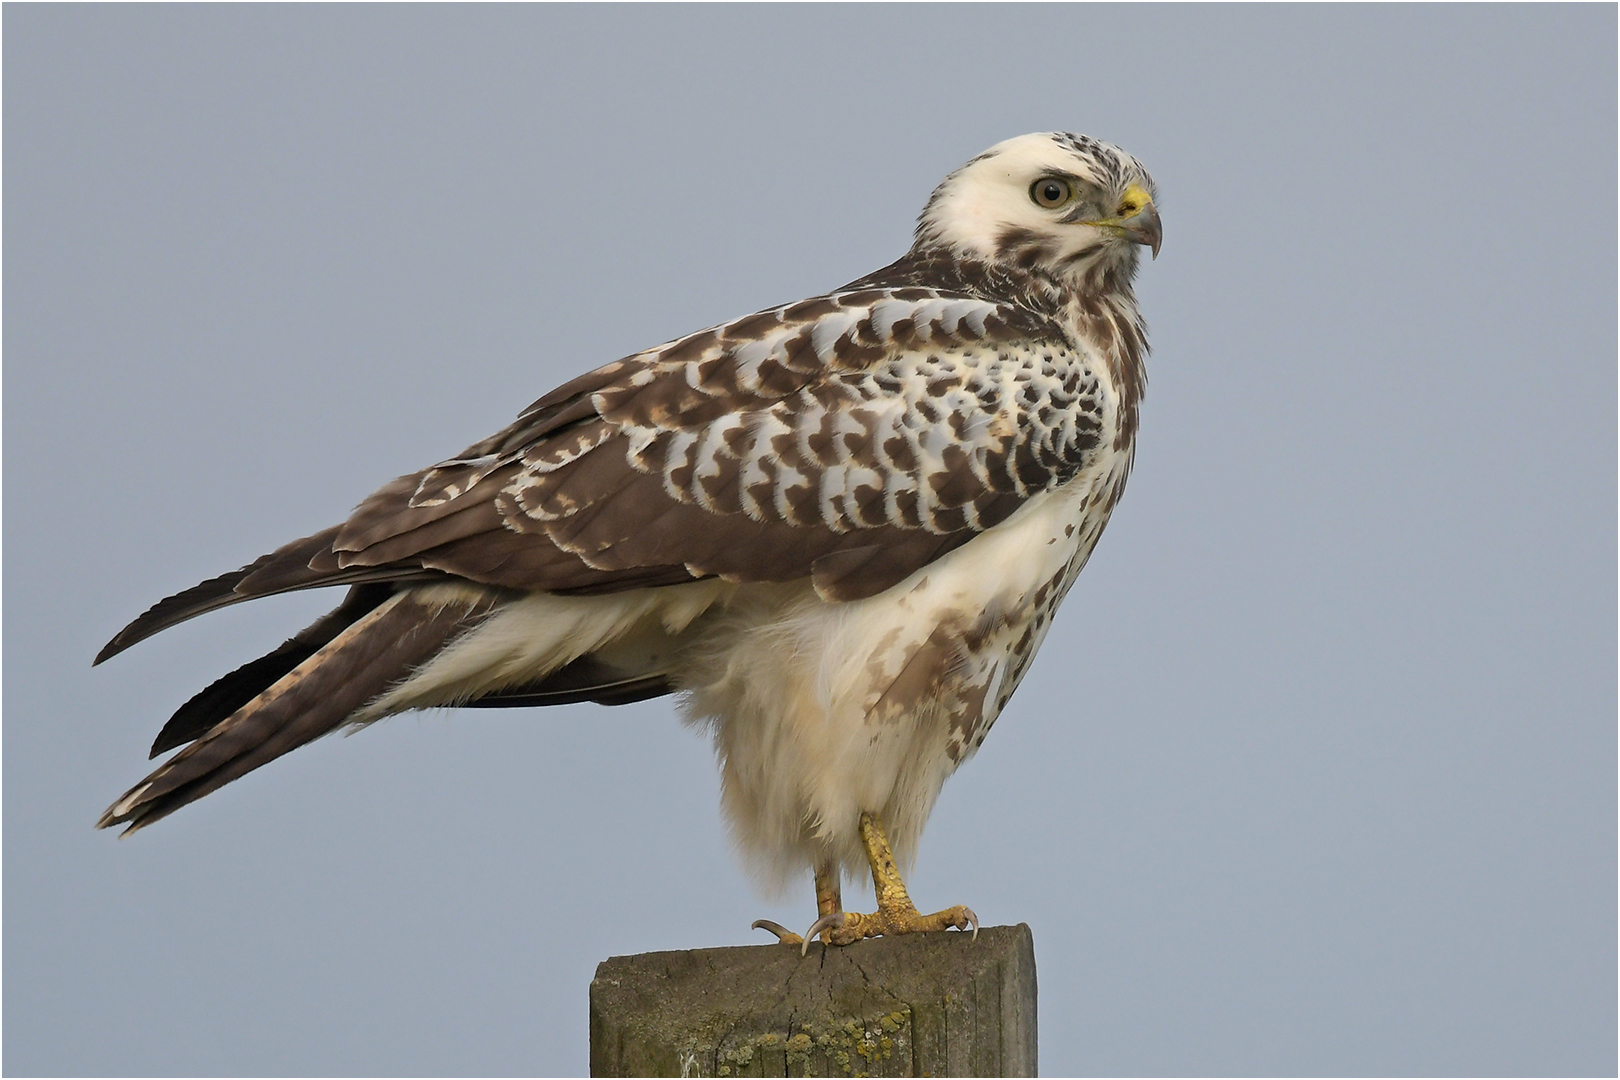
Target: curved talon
pixel 973 921
pixel 784 936
pixel 826 922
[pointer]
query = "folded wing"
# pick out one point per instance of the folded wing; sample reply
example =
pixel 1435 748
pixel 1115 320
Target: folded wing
pixel 850 439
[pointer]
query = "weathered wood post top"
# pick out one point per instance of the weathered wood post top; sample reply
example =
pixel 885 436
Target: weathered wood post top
pixel 938 1004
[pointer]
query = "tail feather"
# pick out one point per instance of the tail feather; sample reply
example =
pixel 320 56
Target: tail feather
pixel 373 652
pixel 230 692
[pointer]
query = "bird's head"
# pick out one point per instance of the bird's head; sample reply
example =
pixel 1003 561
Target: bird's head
pixel 1066 205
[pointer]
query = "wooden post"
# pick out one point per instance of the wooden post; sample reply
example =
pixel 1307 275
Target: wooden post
pixel 936 1004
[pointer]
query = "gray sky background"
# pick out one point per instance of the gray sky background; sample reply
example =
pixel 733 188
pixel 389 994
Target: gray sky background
pixel 1316 772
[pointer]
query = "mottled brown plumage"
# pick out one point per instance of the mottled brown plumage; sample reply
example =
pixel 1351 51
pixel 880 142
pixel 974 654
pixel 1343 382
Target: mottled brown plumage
pixel 839 526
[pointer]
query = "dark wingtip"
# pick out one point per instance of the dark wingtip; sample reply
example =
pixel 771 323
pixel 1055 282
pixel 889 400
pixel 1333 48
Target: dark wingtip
pixel 210 594
pixel 230 692
pixel 287 567
pixel 112 648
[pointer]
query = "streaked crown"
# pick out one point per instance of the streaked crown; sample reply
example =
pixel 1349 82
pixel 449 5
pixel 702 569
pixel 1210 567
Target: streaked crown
pixel 1066 205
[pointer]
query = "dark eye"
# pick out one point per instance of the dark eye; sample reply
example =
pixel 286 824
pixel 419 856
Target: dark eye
pixel 1050 192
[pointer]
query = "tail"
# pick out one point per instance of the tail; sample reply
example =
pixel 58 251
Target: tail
pixel 320 678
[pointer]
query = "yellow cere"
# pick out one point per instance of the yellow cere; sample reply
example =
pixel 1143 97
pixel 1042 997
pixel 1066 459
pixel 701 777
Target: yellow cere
pixel 1134 200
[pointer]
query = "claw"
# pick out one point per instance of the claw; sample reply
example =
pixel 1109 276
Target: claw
pixel 896 914
pixel 826 922
pixel 784 936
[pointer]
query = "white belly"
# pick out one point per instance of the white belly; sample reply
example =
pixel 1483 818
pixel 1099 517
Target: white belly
pixel 819 710
pixel 822 710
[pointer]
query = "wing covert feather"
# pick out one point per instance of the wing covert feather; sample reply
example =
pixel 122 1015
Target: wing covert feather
pixel 851 438
pixel 808 440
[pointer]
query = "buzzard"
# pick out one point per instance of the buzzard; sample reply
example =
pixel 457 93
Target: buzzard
pixel 838 529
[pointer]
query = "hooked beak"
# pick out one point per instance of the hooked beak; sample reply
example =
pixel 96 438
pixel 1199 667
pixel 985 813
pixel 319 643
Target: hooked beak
pixel 1143 227
pixel 1138 220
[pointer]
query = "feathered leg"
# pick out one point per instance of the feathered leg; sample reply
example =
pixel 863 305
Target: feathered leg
pixel 374 652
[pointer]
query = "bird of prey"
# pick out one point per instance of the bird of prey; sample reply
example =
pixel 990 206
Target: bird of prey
pixel 838 529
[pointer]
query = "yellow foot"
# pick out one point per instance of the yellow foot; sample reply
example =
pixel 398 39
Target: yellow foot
pixel 828 883
pixel 896 914
pixel 848 927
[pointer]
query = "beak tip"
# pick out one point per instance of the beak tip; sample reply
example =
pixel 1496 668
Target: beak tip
pixel 1147 230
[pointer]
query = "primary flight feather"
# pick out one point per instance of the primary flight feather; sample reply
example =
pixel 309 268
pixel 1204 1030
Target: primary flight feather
pixel 839 528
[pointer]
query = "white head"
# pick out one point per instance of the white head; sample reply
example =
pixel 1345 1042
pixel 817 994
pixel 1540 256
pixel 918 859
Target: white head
pixel 1067 205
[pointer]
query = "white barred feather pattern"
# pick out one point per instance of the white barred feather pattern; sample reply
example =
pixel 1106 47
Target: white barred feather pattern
pixel 886 441
pixel 840 526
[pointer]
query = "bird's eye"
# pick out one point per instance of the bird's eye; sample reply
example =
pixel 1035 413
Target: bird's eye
pixel 1050 192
